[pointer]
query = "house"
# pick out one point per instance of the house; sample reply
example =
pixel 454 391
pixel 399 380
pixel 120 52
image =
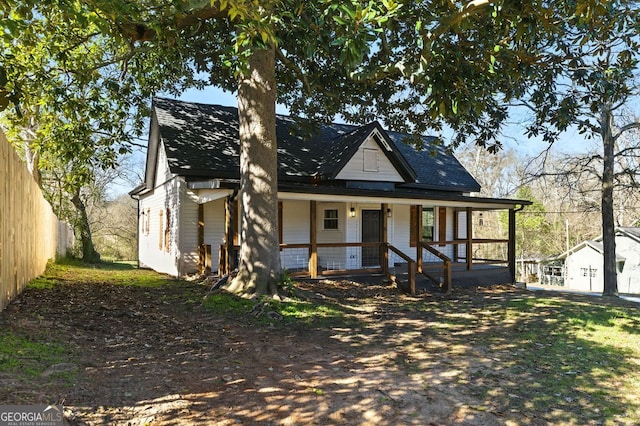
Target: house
pixel 350 198
pixel 582 266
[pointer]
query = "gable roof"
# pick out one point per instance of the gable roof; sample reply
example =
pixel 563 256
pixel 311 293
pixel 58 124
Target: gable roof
pixel 344 147
pixel 631 232
pixel 202 141
pixel 595 245
pixel 627 231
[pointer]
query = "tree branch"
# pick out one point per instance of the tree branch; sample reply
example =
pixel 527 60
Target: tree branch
pixel 296 69
pixel 627 127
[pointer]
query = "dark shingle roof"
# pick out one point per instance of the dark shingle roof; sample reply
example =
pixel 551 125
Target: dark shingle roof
pixel 201 140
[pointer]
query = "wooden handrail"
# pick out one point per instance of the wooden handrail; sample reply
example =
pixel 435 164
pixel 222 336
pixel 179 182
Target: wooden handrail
pixel 446 284
pixel 439 255
pixel 412 267
pixel 399 253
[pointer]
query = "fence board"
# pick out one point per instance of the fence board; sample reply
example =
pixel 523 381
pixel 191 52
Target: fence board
pixel 30 233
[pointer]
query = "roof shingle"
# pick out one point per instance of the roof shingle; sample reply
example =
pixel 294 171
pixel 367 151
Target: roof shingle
pixel 202 140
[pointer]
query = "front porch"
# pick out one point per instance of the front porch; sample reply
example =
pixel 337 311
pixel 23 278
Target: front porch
pixel 431 269
pixel 406 242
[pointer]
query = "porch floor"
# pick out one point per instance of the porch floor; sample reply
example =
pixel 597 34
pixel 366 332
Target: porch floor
pixel 480 275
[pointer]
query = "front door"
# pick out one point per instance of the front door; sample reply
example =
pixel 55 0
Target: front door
pixel 370 233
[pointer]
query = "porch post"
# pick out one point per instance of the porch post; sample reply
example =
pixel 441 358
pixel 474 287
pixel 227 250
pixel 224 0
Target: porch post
pixel 313 240
pixel 419 238
pixel 456 224
pixel 201 254
pixel 469 253
pixel 229 219
pixel 511 251
pixel 384 251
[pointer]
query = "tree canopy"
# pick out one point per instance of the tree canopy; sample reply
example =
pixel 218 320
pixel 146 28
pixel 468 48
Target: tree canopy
pixel 591 74
pixel 90 67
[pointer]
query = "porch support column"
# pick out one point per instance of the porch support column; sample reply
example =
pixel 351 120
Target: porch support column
pixel 313 240
pixel 456 224
pixel 469 253
pixel 201 251
pixel 384 236
pixel 419 237
pixel 511 251
pixel 229 218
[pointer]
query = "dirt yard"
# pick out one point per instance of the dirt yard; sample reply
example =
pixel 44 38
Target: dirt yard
pixel 147 356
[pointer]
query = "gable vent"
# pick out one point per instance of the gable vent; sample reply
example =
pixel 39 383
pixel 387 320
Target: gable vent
pixel 381 141
pixel 370 160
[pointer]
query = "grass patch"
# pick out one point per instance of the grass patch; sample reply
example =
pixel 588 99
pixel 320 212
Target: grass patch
pixel 573 360
pixel 293 311
pixel 227 304
pixel 312 313
pixel 68 270
pixel 28 357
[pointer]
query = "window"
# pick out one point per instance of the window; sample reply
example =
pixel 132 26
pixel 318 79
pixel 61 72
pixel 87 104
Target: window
pixel 555 271
pixel 589 272
pixel 370 160
pixel 330 219
pixel 421 224
pixel 427 224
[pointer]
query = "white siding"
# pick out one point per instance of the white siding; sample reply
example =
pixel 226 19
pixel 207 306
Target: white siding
pixel 334 257
pixel 295 221
pixel 355 168
pixel 400 222
pixel 151 255
pixel 162 169
pixel 629 278
pixel 188 232
pixel 589 259
pixel 296 229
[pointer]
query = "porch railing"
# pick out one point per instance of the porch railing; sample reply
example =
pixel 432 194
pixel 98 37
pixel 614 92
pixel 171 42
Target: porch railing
pixel 446 264
pixel 336 259
pixel 469 253
pixel 412 267
pixel 325 259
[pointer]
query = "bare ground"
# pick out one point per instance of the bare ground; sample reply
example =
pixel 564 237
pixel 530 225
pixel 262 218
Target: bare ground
pixel 158 356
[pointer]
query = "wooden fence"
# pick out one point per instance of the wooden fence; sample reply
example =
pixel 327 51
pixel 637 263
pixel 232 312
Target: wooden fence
pixel 30 233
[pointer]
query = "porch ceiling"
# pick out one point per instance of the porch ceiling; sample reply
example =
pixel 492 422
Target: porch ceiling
pixel 336 195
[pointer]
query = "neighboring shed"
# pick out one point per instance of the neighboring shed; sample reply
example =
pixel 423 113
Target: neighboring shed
pixel 582 265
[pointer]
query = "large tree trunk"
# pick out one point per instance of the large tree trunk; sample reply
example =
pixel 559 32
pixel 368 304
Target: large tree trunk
pixel 259 265
pixel 89 253
pixel 608 231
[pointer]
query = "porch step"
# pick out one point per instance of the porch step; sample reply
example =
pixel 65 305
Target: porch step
pixel 476 277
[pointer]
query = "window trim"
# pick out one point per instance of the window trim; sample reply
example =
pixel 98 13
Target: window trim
pixel 332 219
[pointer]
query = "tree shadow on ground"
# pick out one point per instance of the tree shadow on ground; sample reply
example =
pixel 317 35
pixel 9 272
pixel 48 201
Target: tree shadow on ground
pixel 161 355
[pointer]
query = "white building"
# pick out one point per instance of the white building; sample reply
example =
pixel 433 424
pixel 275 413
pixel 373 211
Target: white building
pixel 339 189
pixel 583 264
